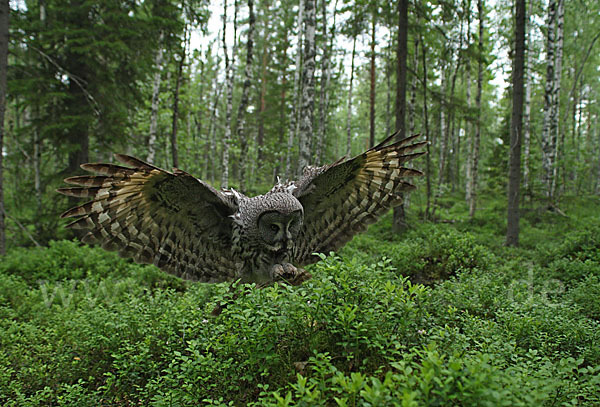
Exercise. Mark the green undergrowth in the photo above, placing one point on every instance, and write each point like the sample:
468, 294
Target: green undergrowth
442, 315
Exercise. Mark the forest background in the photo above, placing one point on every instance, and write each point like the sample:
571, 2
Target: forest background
238, 94
483, 289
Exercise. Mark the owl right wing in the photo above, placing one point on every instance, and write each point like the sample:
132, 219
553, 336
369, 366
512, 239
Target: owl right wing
343, 198
172, 220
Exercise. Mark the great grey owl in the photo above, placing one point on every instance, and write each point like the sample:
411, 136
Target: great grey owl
188, 228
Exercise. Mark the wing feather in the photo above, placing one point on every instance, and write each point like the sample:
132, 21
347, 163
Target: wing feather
342, 199
172, 220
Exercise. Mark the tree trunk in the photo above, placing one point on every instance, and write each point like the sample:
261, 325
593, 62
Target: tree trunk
477, 139
241, 115
212, 128
174, 153
4, 13
516, 127
158, 59
426, 120
469, 135
297, 95
325, 79
413, 88
443, 132
349, 112
399, 218
554, 125
308, 88
548, 141
229, 93
527, 112
388, 91
263, 87
372, 87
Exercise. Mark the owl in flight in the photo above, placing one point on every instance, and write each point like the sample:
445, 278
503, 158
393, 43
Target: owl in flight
187, 228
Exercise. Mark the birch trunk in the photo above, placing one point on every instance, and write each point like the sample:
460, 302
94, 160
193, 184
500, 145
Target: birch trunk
443, 133
178, 79
469, 134
548, 141
554, 126
241, 115
477, 139
349, 112
372, 86
211, 169
308, 88
325, 79
426, 120
292, 131
527, 111
158, 60
229, 92
263, 87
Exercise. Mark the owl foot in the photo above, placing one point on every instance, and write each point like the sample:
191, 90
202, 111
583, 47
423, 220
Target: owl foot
289, 273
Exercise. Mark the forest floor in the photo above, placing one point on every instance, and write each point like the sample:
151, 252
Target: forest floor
489, 326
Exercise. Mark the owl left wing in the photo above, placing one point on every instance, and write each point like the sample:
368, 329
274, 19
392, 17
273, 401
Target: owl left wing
343, 198
172, 220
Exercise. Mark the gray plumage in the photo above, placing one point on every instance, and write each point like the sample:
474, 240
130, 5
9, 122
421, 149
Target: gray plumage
188, 228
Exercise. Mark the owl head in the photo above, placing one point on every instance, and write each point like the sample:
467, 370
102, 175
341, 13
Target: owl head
272, 221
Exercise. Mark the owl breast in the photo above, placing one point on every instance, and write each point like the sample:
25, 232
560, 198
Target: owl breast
266, 233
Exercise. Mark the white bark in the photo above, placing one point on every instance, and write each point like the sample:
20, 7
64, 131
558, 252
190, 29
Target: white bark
229, 92
296, 96
468, 130
308, 87
527, 109
325, 79
549, 128
443, 133
476, 140
241, 116
349, 112
554, 126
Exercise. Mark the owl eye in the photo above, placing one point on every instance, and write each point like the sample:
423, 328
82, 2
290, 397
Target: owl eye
274, 227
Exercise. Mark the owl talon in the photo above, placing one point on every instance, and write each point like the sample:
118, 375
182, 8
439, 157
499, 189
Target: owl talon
289, 273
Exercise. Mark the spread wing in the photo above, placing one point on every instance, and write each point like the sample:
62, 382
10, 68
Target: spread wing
172, 220
343, 198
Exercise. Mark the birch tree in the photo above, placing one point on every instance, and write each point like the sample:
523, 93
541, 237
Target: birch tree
241, 116
372, 81
349, 111
296, 95
527, 112
308, 88
551, 95
328, 37
229, 62
477, 139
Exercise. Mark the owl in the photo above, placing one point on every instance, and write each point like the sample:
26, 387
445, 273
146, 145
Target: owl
186, 227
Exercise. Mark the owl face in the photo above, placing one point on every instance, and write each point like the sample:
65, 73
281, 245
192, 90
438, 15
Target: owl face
279, 230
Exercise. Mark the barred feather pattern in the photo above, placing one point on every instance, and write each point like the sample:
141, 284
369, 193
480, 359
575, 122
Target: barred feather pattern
172, 220
343, 198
